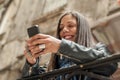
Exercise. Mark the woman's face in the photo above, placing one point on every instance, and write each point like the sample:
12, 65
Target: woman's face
68, 27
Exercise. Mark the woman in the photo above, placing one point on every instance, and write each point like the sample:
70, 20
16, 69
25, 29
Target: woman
74, 41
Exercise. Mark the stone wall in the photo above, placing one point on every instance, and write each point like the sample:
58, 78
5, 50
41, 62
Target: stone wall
18, 15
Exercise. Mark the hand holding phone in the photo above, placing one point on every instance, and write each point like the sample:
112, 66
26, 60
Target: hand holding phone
31, 32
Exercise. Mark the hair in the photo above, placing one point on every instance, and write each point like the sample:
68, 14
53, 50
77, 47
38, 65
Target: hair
83, 30
83, 34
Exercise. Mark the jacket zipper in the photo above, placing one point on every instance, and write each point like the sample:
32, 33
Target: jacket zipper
30, 71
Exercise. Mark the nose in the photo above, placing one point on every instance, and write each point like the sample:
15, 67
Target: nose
65, 29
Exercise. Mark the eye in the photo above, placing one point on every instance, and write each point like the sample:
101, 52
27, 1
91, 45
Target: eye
71, 25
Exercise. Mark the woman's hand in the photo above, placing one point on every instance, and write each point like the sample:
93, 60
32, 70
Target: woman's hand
29, 57
52, 44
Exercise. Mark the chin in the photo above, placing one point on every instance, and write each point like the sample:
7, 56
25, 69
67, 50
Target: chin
70, 39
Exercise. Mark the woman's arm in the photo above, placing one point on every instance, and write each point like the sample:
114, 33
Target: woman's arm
81, 53
85, 55
29, 69
66, 47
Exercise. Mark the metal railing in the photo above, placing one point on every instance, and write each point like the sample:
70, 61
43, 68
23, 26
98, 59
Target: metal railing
69, 73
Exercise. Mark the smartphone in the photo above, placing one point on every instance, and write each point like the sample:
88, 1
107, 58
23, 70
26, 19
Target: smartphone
33, 30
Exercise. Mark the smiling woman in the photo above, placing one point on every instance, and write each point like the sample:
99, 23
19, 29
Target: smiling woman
73, 46
68, 28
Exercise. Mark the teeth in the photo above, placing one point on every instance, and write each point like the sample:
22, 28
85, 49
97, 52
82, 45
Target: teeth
68, 37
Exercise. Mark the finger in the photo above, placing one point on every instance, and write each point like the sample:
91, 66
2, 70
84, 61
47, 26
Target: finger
28, 43
25, 52
37, 55
27, 55
31, 47
38, 36
30, 59
44, 52
40, 53
35, 50
40, 41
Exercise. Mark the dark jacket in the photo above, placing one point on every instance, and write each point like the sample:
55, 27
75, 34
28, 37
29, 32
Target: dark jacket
77, 54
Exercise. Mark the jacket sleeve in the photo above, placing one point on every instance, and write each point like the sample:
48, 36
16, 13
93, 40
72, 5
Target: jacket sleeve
85, 55
31, 70
81, 53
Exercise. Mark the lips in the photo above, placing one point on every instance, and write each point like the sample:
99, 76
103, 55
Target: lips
68, 37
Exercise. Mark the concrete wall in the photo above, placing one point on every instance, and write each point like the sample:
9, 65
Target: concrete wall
21, 14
